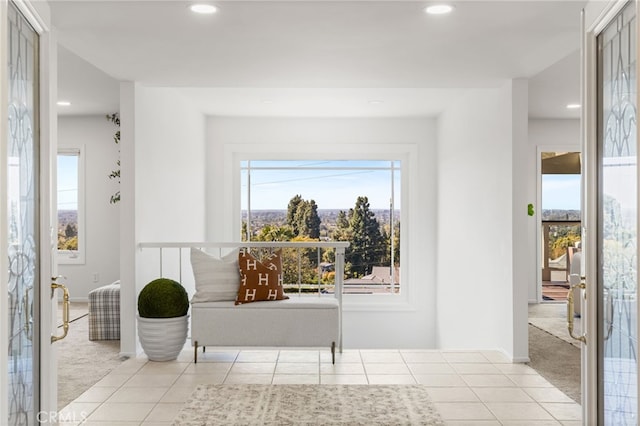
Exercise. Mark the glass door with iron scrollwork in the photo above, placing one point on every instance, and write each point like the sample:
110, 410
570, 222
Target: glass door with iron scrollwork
23, 219
618, 221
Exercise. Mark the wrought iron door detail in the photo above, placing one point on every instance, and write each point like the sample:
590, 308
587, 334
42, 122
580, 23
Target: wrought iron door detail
22, 172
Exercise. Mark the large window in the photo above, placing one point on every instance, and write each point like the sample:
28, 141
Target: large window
70, 206
340, 200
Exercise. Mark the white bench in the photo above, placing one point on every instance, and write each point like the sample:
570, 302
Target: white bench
309, 321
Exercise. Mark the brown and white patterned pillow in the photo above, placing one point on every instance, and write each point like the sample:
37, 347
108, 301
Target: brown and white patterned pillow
260, 280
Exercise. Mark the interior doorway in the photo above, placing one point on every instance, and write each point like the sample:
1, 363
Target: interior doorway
560, 222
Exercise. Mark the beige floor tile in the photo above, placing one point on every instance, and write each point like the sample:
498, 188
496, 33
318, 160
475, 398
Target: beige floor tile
347, 356
109, 423
193, 380
475, 368
518, 411
257, 356
464, 357
171, 367
484, 380
151, 380
342, 368
253, 368
515, 369
299, 356
129, 366
258, 379
153, 423
131, 394
431, 368
440, 380
96, 394
121, 412
490, 394
571, 423
548, 395
77, 411
163, 412
417, 357
391, 379
530, 423
178, 394
459, 394
563, 411
496, 357
530, 380
298, 368
209, 368
381, 357
472, 423
296, 379
463, 411
217, 356
113, 380
343, 379
376, 369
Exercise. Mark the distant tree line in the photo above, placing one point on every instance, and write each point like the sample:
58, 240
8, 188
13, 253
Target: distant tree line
370, 243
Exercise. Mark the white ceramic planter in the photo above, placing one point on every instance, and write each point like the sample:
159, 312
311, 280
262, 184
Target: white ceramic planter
163, 338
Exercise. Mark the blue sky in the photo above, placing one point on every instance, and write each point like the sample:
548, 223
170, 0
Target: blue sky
331, 189
561, 192
67, 182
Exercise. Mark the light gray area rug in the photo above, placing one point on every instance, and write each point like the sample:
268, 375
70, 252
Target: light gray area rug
308, 405
81, 362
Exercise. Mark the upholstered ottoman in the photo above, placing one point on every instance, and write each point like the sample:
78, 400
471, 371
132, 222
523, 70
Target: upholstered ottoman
104, 312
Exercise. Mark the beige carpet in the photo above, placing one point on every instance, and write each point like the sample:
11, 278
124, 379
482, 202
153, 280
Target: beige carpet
552, 352
308, 405
81, 362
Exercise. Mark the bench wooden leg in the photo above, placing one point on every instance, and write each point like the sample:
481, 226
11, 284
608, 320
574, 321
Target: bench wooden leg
333, 352
195, 352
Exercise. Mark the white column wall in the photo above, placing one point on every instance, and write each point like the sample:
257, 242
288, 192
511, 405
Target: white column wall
94, 135
169, 177
407, 324
475, 260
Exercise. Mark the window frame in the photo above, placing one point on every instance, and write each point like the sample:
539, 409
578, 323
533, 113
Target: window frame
71, 257
406, 154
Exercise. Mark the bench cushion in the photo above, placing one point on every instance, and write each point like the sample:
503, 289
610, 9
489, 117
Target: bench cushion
295, 322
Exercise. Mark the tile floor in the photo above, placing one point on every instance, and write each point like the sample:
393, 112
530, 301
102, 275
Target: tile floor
468, 388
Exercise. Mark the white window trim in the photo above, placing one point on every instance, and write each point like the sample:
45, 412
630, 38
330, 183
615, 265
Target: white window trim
407, 154
68, 257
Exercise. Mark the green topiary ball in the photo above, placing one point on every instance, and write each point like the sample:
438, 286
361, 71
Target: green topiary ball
163, 298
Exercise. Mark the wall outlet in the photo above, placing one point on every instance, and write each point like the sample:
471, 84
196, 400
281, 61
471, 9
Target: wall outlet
96, 277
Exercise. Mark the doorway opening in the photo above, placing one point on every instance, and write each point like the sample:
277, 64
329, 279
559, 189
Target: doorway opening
560, 222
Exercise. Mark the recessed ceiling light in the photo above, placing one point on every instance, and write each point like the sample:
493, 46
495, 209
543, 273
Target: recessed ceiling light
63, 103
573, 106
205, 9
267, 101
376, 102
438, 9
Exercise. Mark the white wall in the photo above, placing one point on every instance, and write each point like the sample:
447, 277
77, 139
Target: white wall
404, 323
475, 238
545, 135
165, 197
94, 135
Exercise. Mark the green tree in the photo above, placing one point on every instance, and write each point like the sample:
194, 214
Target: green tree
367, 245
302, 216
70, 230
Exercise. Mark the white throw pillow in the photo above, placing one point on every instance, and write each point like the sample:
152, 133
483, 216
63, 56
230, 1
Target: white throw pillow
217, 280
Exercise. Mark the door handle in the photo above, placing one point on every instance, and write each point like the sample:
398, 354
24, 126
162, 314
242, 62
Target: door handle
570, 313
65, 310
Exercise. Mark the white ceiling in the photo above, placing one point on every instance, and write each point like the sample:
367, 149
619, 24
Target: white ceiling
317, 58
